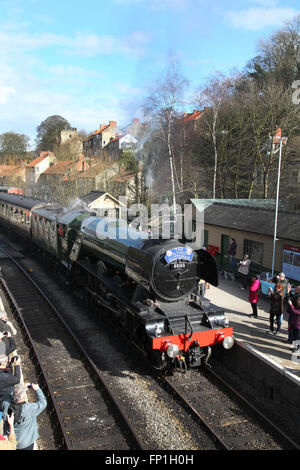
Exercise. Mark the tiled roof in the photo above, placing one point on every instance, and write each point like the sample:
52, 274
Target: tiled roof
255, 219
58, 169
92, 196
38, 159
192, 116
7, 169
95, 170
121, 177
97, 132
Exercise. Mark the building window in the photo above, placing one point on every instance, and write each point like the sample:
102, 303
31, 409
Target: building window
255, 250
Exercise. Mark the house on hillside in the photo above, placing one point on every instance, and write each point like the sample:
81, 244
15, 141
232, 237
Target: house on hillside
100, 138
125, 183
136, 128
98, 176
35, 168
5, 171
12, 175
102, 203
120, 143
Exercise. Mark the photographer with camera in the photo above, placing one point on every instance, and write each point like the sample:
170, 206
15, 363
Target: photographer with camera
26, 427
10, 375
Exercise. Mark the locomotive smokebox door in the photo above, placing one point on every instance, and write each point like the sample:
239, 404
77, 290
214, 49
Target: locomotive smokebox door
207, 267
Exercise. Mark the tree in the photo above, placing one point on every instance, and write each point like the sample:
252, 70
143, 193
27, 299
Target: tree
48, 132
13, 146
214, 95
162, 105
279, 56
131, 165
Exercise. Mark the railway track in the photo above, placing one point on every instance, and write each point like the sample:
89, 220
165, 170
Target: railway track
232, 421
88, 413
228, 420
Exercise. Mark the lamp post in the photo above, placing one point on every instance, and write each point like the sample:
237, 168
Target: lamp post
281, 140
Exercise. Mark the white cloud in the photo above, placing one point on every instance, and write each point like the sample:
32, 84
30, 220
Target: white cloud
81, 44
260, 18
5, 94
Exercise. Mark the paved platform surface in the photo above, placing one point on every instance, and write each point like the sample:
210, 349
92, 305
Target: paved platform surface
253, 331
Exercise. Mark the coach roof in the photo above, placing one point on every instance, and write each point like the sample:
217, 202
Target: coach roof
20, 201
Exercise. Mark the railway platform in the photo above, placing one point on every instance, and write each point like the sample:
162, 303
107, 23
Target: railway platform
252, 332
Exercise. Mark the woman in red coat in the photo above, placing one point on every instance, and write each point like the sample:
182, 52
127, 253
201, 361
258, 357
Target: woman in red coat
254, 294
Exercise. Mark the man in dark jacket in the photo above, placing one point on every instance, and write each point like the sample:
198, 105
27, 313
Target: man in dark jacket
293, 299
232, 253
7, 344
9, 377
6, 325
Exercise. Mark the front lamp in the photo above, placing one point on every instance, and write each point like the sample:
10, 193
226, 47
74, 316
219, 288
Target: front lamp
228, 342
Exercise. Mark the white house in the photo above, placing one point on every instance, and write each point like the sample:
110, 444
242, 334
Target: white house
35, 168
103, 203
121, 142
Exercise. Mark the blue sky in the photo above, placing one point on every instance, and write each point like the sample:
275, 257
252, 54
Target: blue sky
94, 61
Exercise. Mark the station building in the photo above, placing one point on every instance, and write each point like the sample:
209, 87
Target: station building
251, 223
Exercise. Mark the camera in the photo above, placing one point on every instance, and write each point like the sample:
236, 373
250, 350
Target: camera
29, 386
9, 412
14, 358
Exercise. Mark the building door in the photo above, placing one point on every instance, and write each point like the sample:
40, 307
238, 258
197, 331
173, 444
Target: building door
224, 252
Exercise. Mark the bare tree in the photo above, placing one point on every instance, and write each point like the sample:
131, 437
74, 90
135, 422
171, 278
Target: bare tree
162, 106
213, 96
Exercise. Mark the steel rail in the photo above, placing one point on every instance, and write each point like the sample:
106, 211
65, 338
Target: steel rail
197, 414
103, 381
255, 409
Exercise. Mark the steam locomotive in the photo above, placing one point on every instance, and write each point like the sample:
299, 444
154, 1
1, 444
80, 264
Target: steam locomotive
148, 286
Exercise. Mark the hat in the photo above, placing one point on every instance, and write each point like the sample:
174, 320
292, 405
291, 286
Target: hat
281, 274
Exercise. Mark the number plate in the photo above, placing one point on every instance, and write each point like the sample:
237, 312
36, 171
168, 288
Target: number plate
177, 265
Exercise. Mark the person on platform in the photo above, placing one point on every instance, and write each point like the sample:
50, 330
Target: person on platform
26, 427
243, 269
293, 299
276, 307
9, 442
9, 377
7, 343
254, 291
295, 322
232, 253
6, 325
284, 281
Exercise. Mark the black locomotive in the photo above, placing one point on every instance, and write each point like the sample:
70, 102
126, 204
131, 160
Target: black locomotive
148, 286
